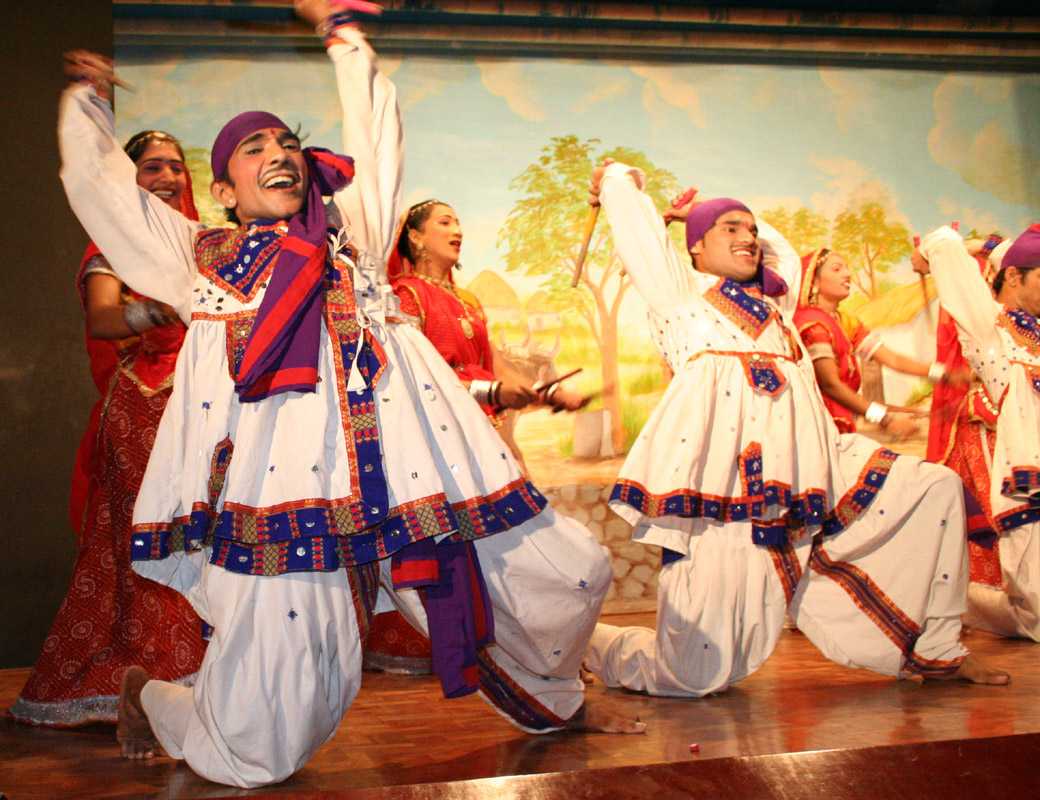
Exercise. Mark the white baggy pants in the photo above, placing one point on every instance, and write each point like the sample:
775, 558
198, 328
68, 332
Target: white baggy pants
885, 594
284, 663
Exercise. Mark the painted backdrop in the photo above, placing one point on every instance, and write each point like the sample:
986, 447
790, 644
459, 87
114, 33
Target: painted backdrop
855, 159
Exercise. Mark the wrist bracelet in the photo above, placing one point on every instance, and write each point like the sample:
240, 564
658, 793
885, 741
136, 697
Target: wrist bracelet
328, 26
137, 317
552, 390
493, 394
936, 371
876, 413
481, 391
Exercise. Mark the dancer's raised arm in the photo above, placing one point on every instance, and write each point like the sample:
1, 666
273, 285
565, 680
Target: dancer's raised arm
372, 133
962, 290
148, 244
661, 274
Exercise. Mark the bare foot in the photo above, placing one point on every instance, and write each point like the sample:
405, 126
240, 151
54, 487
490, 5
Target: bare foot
132, 729
595, 718
975, 671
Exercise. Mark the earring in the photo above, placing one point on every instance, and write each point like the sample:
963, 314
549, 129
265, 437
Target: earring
458, 265
420, 253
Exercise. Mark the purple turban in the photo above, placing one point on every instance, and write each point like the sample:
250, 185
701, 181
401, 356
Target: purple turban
703, 216
245, 124
1025, 252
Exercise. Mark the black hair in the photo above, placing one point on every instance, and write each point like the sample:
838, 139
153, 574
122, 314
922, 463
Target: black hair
998, 282
413, 221
139, 142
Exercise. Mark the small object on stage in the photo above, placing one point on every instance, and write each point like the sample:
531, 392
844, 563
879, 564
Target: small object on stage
695, 748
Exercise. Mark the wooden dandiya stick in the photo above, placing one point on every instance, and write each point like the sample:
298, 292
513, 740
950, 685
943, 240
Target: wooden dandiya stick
541, 387
590, 228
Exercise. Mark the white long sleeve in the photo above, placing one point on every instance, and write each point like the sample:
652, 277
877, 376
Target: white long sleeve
148, 244
373, 137
661, 275
962, 289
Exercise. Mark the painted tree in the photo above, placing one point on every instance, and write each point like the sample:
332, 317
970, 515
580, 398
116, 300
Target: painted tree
871, 244
805, 229
210, 211
542, 237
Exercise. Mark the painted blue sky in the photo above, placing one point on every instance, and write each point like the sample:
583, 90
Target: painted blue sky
932, 146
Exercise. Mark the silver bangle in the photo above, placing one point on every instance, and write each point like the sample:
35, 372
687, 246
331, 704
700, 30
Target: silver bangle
552, 390
138, 317
876, 413
936, 371
481, 391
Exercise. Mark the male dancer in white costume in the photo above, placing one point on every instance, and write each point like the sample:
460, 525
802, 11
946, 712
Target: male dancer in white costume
1002, 345
308, 433
742, 478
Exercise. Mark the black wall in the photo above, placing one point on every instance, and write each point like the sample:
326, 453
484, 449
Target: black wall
45, 387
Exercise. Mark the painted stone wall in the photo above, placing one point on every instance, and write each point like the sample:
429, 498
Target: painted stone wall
636, 566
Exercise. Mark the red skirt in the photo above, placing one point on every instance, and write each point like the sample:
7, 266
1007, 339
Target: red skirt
111, 618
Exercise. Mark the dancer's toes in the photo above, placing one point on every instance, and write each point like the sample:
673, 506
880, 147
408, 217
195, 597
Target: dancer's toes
975, 671
136, 740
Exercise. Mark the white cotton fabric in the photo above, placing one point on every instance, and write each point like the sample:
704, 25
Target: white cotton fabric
721, 608
280, 671
546, 579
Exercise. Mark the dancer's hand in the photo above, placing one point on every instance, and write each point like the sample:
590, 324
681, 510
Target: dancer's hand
516, 393
681, 206
166, 313
919, 262
83, 66
899, 426
596, 181
564, 400
959, 377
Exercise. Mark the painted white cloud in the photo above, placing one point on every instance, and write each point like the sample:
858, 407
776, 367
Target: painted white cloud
662, 83
765, 202
601, 94
850, 94
971, 218
850, 184
506, 79
974, 135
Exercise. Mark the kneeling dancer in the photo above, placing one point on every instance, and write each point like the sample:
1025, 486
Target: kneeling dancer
310, 441
741, 476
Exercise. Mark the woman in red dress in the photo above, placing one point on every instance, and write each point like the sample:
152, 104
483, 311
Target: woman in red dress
111, 618
421, 271
837, 342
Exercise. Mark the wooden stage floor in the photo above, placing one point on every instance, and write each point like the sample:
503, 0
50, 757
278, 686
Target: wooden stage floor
401, 734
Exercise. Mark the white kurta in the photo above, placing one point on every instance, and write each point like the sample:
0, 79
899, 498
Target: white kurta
1008, 363
741, 471
280, 491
